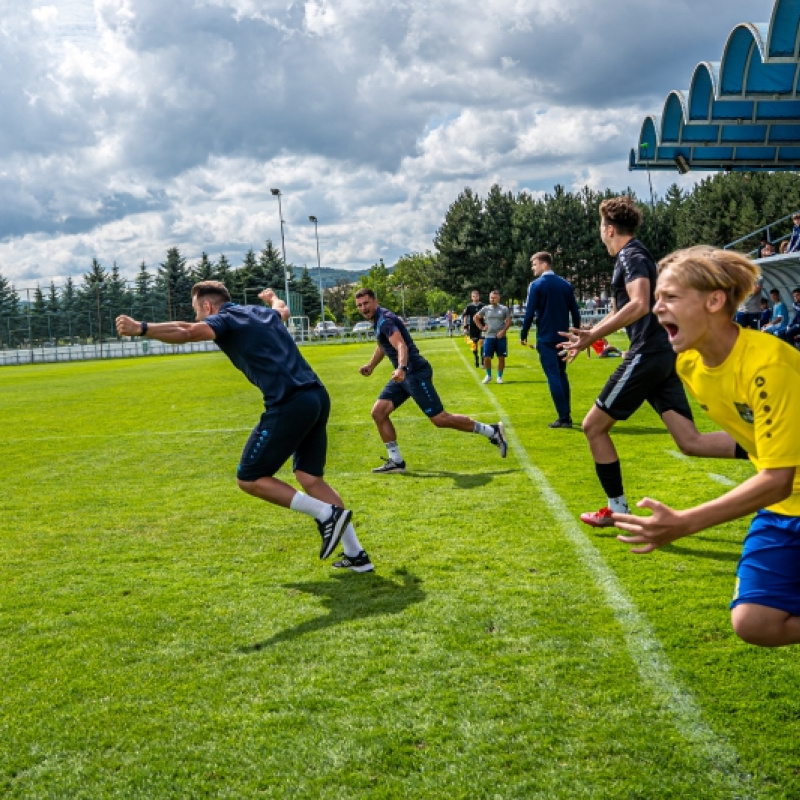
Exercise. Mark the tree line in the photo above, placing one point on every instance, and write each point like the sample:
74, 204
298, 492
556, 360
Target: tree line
482, 243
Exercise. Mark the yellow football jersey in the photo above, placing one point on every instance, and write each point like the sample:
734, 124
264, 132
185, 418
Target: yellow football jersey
755, 397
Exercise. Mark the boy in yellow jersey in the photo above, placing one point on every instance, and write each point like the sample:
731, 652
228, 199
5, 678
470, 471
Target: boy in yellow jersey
749, 385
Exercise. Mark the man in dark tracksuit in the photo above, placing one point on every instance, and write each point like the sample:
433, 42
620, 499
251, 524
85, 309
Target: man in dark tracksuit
551, 301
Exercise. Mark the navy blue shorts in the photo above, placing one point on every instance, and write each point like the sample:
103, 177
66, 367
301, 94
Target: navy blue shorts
495, 347
769, 569
418, 385
296, 428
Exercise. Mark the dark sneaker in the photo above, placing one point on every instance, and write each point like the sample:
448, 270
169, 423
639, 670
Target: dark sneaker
359, 563
332, 529
561, 423
499, 439
599, 519
391, 466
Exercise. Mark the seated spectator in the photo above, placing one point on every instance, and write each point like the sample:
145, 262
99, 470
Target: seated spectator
794, 239
749, 312
768, 250
792, 331
784, 247
766, 313
761, 245
780, 317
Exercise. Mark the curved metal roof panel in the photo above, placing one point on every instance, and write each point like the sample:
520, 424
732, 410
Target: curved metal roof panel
741, 113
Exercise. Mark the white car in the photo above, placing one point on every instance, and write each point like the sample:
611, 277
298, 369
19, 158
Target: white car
363, 329
327, 329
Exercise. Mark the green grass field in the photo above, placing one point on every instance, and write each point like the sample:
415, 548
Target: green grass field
166, 636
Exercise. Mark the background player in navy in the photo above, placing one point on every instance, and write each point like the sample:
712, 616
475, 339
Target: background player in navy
647, 372
412, 376
296, 407
470, 328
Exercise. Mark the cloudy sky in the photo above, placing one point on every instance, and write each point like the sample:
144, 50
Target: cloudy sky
130, 126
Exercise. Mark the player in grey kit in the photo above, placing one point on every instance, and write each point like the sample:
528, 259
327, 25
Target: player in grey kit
296, 407
494, 320
412, 377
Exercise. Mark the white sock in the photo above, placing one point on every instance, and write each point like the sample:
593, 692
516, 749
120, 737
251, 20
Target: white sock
394, 453
352, 547
618, 504
484, 430
311, 506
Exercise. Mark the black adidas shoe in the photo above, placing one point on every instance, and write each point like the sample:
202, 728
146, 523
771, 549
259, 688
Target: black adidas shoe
359, 563
391, 466
332, 529
499, 439
561, 423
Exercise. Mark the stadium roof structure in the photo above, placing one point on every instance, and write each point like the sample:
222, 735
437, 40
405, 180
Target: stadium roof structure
740, 114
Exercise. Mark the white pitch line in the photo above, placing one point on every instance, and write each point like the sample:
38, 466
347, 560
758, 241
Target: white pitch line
721, 479
643, 646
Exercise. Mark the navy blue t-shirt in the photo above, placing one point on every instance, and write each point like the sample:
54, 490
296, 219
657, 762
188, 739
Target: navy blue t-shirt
256, 341
634, 261
385, 324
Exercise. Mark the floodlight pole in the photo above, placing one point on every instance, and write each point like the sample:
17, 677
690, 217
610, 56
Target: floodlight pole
644, 146
319, 268
277, 193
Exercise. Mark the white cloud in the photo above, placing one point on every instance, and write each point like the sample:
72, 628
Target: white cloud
134, 125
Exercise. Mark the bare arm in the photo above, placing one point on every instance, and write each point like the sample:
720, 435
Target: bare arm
272, 300
376, 359
665, 525
399, 374
168, 332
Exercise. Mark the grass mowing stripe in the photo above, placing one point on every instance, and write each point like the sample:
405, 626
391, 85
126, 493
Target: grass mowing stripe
721, 479
644, 648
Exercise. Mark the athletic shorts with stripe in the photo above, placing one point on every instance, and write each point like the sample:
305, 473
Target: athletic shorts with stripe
296, 429
644, 377
418, 385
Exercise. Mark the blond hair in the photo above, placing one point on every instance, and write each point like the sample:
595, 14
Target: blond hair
709, 269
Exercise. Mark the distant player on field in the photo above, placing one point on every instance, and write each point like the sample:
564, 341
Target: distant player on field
412, 377
296, 407
750, 386
470, 328
494, 320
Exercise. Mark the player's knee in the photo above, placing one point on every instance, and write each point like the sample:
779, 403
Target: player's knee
378, 413
248, 487
751, 627
440, 420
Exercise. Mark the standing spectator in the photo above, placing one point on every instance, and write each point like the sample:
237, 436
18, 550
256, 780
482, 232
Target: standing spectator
551, 301
794, 239
793, 329
589, 305
494, 320
449, 317
470, 328
780, 316
749, 312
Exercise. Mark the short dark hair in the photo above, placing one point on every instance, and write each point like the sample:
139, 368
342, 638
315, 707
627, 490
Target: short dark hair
206, 290
622, 213
365, 292
775, 291
543, 256
796, 289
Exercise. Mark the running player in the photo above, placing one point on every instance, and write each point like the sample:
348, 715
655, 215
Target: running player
296, 407
646, 373
412, 377
750, 386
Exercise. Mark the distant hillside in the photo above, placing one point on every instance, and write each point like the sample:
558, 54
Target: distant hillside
331, 275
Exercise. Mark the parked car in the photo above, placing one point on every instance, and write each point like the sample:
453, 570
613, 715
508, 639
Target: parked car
327, 329
363, 329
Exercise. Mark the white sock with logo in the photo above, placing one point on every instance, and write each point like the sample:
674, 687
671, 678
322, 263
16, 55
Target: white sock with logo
394, 452
352, 547
484, 430
619, 505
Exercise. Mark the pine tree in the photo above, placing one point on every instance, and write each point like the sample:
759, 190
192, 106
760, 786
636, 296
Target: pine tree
143, 300
174, 286
204, 270
459, 243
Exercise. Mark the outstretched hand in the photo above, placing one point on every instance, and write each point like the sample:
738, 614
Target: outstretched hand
578, 339
127, 326
267, 295
663, 526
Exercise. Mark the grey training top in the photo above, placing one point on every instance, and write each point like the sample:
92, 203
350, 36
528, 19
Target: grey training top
495, 317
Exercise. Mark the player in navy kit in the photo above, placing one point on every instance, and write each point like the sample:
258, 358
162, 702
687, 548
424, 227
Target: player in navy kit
296, 407
647, 372
412, 377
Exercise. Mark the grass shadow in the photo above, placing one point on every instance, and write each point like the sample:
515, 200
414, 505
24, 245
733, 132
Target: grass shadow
463, 480
689, 552
347, 597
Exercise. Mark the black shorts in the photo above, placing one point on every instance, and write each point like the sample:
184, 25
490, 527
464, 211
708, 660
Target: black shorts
644, 377
418, 385
296, 428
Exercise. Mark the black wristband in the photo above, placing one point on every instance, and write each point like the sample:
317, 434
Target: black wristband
740, 452
144, 329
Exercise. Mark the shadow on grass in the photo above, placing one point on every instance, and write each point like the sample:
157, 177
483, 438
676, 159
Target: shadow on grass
689, 552
348, 596
463, 480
